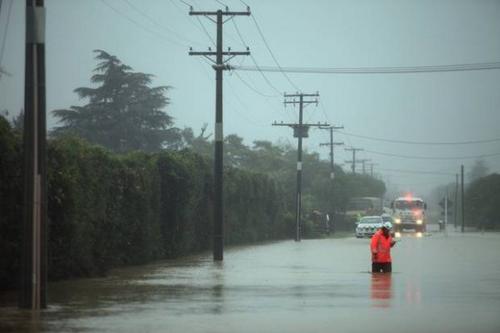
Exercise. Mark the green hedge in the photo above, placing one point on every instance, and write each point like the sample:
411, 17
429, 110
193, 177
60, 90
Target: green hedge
255, 208
103, 209
107, 210
11, 198
481, 202
186, 202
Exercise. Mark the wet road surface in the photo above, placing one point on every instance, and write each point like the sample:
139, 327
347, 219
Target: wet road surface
440, 284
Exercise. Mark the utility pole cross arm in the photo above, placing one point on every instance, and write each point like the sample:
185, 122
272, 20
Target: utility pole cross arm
214, 53
224, 13
354, 150
301, 95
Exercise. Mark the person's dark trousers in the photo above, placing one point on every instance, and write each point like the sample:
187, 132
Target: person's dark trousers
381, 267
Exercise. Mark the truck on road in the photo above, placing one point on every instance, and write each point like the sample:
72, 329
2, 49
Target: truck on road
408, 213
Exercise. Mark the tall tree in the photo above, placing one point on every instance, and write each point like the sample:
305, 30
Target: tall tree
199, 144
479, 170
123, 112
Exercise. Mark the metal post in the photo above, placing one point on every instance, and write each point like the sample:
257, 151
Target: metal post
463, 198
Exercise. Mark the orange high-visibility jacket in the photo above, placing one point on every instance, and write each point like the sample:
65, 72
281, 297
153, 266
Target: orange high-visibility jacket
381, 247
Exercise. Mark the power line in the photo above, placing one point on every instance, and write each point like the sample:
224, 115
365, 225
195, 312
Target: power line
433, 157
251, 87
253, 59
200, 27
237, 97
155, 22
419, 172
377, 70
323, 110
221, 3
421, 142
226, 8
187, 4
280, 69
4, 37
353, 161
153, 32
278, 92
205, 30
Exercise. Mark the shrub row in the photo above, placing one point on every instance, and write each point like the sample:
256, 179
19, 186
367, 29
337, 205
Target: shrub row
482, 200
107, 210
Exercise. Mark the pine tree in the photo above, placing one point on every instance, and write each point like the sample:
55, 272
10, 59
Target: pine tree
123, 112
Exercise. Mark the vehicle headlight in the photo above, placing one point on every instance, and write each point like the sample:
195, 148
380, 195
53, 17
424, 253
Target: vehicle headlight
397, 221
419, 235
397, 234
419, 221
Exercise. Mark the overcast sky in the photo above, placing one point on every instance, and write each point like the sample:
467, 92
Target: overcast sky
456, 106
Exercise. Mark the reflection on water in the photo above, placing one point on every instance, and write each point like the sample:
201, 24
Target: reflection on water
311, 286
21, 320
381, 289
218, 288
412, 293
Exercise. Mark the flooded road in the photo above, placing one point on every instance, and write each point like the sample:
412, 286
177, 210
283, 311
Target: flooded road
439, 284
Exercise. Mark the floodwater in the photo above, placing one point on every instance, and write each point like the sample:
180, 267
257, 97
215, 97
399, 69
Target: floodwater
440, 283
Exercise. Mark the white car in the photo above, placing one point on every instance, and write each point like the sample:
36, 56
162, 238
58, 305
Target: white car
368, 225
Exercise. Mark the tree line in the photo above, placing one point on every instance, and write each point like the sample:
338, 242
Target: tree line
481, 197
126, 187
125, 113
107, 209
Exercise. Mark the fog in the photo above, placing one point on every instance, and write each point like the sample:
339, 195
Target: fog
104, 238
421, 107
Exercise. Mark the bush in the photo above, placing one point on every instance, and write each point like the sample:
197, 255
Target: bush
11, 199
481, 202
102, 209
106, 209
254, 208
186, 202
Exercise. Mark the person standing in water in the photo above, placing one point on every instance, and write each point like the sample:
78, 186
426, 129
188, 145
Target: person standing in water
380, 246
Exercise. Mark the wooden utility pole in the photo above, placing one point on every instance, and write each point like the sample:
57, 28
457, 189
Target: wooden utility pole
300, 131
363, 163
33, 293
219, 66
371, 168
332, 144
456, 202
354, 150
463, 198
446, 209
